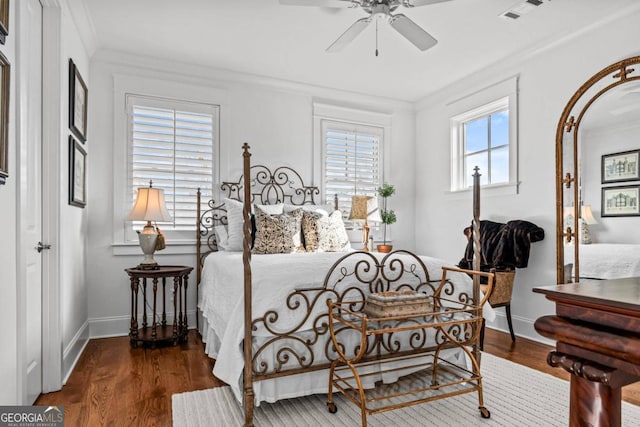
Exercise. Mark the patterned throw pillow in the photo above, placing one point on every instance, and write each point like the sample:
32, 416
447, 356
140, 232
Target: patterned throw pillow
278, 234
325, 233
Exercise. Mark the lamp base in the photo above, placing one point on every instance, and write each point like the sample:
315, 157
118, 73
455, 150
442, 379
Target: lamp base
147, 238
147, 266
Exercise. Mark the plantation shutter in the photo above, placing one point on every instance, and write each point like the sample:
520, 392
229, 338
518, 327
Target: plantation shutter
172, 144
352, 163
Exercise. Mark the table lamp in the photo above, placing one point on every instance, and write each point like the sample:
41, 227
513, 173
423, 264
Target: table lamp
365, 208
149, 206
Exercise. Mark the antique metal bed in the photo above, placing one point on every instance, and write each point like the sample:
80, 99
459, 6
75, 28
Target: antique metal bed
291, 336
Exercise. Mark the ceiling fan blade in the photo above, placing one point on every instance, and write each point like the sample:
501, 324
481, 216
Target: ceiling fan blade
416, 3
412, 32
348, 36
320, 3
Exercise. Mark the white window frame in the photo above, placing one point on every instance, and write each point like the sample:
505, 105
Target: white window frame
353, 119
498, 97
155, 102
124, 84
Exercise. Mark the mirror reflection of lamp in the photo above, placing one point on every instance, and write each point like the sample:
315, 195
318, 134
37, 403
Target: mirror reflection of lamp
365, 208
149, 206
586, 219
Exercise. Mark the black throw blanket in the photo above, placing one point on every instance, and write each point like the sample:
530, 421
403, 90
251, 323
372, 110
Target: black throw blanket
503, 246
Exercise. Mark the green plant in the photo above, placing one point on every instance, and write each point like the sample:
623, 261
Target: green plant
388, 216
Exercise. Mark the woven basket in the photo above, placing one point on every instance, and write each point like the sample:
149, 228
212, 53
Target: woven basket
502, 288
396, 303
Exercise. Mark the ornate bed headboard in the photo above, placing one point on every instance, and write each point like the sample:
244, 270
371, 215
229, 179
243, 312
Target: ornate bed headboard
280, 185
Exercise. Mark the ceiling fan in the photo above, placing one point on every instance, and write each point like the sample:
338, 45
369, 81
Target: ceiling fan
379, 9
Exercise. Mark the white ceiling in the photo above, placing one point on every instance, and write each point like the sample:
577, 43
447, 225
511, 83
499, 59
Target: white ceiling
264, 38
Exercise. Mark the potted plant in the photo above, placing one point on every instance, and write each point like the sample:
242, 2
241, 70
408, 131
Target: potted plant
388, 216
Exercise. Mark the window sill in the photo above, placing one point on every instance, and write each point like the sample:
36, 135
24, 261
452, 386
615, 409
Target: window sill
496, 190
173, 248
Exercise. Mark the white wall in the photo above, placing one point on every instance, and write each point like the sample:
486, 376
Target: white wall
548, 78
8, 229
274, 117
73, 220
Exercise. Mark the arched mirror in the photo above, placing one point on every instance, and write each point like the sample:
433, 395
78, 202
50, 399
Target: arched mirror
597, 177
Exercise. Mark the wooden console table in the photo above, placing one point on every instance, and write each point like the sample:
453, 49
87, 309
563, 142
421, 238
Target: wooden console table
159, 330
597, 329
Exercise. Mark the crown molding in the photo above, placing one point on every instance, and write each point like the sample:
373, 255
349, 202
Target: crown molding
82, 19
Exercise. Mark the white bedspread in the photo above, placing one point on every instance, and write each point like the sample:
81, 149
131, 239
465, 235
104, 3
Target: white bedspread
609, 260
274, 278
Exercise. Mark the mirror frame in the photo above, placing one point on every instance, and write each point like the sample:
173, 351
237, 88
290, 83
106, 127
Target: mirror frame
610, 77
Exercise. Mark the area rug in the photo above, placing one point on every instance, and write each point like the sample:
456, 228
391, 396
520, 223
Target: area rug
515, 395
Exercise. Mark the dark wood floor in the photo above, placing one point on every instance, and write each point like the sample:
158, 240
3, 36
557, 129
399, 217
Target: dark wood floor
116, 385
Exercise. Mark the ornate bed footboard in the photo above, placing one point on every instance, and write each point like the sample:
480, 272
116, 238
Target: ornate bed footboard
294, 337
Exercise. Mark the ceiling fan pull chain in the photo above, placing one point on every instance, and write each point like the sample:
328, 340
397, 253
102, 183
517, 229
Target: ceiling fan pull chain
376, 37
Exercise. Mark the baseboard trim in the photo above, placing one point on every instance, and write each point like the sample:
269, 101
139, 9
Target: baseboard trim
74, 350
522, 327
118, 326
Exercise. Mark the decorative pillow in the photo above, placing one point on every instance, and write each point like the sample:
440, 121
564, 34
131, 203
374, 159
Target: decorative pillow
325, 233
279, 234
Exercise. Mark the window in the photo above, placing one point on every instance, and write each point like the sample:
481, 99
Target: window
485, 141
483, 134
173, 144
351, 161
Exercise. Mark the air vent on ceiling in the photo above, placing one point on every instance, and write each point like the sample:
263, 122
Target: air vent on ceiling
522, 8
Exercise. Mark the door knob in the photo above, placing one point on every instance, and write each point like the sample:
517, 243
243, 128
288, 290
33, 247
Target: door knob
42, 247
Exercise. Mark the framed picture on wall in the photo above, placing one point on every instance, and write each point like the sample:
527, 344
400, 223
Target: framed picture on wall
618, 167
77, 174
5, 73
4, 20
78, 95
620, 201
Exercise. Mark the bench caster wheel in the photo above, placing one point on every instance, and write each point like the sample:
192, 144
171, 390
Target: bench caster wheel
484, 412
332, 407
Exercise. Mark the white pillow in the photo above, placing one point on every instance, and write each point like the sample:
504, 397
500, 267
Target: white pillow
325, 209
234, 227
221, 236
277, 209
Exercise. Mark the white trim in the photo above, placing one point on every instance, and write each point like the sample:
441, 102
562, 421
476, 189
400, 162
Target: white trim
52, 107
351, 116
118, 326
482, 102
81, 16
74, 350
175, 248
204, 75
125, 85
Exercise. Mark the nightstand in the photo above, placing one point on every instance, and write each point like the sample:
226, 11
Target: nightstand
159, 330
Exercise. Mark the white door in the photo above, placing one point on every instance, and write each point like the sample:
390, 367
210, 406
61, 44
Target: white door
29, 94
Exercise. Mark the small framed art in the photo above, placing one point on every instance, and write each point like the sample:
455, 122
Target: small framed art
78, 95
618, 167
4, 20
5, 73
620, 201
77, 174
